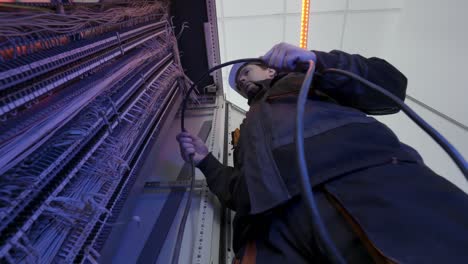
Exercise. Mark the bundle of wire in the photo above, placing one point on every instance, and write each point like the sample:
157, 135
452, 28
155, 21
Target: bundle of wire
32, 29
28, 23
306, 191
84, 198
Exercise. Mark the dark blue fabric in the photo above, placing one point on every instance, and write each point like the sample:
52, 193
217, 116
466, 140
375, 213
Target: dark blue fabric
342, 151
285, 235
349, 92
270, 123
411, 214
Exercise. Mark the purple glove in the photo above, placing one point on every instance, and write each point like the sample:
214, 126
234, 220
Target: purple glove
190, 144
287, 57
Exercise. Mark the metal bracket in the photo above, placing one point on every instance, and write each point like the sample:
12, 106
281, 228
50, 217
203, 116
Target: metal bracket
181, 185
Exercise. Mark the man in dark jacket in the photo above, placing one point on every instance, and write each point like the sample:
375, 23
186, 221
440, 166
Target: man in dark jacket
378, 200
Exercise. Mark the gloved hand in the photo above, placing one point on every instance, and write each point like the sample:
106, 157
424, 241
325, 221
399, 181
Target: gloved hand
287, 57
189, 144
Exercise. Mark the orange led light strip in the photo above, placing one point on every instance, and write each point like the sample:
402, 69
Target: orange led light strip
304, 23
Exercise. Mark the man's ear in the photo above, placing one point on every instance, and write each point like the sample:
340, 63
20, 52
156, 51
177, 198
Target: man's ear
271, 72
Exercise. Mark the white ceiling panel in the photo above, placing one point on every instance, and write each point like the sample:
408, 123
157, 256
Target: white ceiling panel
252, 7
252, 36
327, 5
222, 48
369, 34
292, 29
294, 6
374, 4
325, 31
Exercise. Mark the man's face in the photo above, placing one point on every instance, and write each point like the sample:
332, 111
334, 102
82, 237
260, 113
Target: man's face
252, 73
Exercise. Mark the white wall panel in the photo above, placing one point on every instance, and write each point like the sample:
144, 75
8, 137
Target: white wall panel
375, 4
325, 31
370, 34
252, 7
294, 6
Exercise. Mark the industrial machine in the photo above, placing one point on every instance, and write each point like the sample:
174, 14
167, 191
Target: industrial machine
89, 108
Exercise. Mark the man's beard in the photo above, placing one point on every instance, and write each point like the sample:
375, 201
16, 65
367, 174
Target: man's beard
251, 94
254, 89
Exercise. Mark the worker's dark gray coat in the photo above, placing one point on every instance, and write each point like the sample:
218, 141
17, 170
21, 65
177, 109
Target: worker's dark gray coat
408, 212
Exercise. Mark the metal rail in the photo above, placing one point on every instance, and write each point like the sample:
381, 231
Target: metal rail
83, 230
49, 75
12, 130
97, 239
47, 184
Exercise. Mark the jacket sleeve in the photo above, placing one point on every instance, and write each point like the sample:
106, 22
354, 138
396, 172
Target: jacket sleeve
352, 93
226, 183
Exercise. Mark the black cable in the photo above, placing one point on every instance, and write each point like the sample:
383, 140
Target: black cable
180, 232
451, 150
325, 243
